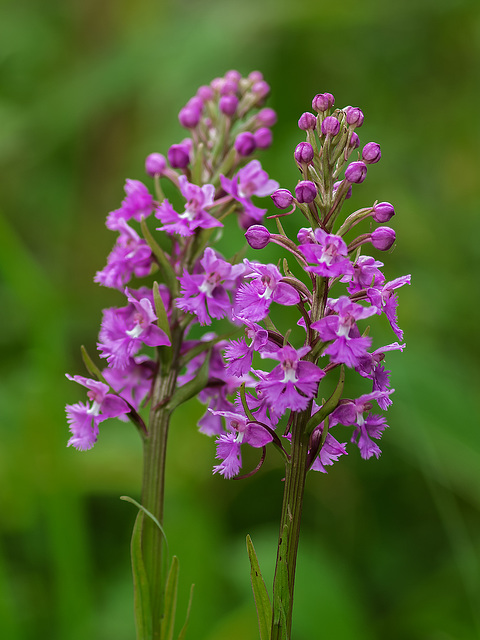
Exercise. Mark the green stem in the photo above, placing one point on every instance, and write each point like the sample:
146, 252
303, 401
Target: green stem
283, 584
153, 487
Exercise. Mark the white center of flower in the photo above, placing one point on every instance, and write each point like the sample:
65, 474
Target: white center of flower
94, 409
346, 323
289, 371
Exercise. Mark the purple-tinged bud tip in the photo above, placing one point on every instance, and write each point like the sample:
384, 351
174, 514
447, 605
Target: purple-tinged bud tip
303, 153
282, 198
245, 143
178, 156
307, 121
189, 117
228, 104
255, 76
195, 102
205, 93
305, 191
356, 172
155, 164
355, 116
263, 138
234, 75
383, 212
383, 238
257, 236
330, 126
266, 117
229, 86
371, 153
261, 89
322, 102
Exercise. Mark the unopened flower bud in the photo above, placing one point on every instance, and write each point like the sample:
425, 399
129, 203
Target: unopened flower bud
257, 236
306, 191
263, 138
322, 102
155, 164
307, 121
261, 89
383, 238
228, 104
178, 156
229, 86
195, 103
255, 76
234, 75
266, 117
303, 153
371, 153
356, 172
305, 236
205, 93
282, 198
245, 143
383, 211
355, 116
330, 126
189, 117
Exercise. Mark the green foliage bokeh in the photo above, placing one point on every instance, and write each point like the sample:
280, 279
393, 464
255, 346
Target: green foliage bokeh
390, 548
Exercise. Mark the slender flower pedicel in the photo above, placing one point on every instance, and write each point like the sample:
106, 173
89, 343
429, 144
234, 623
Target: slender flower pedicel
262, 388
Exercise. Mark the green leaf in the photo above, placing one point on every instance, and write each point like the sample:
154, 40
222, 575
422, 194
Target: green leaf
181, 635
141, 594
92, 368
148, 514
165, 266
192, 388
329, 406
260, 593
171, 588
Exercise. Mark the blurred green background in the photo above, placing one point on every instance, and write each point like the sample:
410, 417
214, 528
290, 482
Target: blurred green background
390, 548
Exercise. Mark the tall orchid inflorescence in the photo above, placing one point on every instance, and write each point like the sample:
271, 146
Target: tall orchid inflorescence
333, 286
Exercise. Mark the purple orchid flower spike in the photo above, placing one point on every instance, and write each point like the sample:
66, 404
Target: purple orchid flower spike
347, 346
205, 295
124, 331
130, 256
84, 419
255, 297
293, 382
386, 300
138, 203
351, 413
195, 216
329, 254
228, 445
329, 453
239, 354
250, 181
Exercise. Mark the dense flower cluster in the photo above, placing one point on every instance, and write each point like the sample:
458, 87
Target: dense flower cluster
336, 289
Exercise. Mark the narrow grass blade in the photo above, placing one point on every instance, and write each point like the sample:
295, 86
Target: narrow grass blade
181, 635
262, 601
141, 597
168, 621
